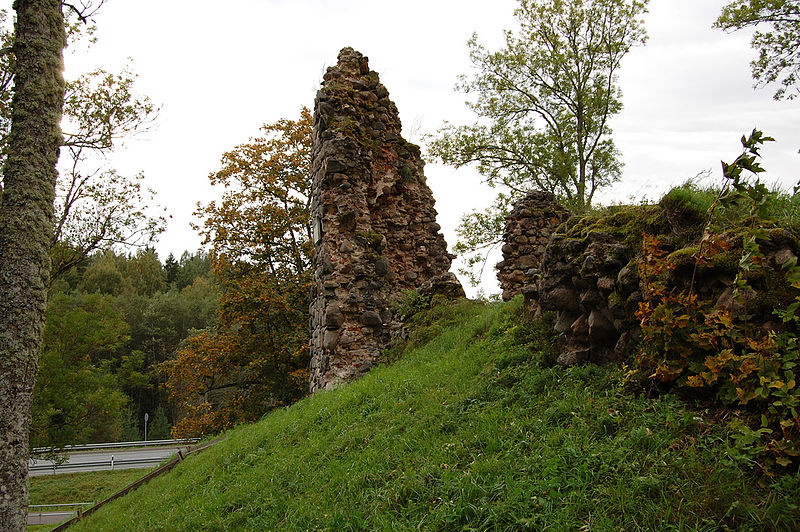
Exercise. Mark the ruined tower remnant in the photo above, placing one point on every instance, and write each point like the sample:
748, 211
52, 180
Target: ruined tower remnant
375, 230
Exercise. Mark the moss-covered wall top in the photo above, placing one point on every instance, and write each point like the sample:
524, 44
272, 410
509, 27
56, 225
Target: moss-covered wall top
588, 271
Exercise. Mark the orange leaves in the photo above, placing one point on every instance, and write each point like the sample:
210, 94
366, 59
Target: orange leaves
711, 244
667, 373
688, 341
257, 356
264, 216
695, 381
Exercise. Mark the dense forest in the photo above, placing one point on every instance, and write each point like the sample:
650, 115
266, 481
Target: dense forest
109, 325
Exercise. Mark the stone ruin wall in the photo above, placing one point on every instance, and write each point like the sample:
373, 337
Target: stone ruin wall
527, 232
588, 275
587, 282
375, 230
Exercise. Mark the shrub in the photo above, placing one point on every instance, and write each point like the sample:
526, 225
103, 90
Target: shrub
694, 344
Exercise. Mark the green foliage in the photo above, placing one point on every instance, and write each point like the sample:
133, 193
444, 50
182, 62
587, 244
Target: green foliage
129, 430
77, 397
144, 272
103, 276
478, 233
171, 268
102, 346
696, 344
411, 303
158, 427
546, 99
191, 267
467, 432
778, 48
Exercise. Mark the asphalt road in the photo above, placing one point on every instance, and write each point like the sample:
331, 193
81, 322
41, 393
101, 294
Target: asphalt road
101, 460
48, 518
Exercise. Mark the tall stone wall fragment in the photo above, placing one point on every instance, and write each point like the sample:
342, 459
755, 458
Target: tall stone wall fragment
374, 222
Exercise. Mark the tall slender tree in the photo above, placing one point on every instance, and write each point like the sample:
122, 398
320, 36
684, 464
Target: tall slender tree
26, 225
256, 356
96, 207
543, 103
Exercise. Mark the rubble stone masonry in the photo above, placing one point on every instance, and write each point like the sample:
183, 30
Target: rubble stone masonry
528, 228
375, 230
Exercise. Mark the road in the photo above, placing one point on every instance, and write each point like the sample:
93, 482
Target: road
48, 518
101, 460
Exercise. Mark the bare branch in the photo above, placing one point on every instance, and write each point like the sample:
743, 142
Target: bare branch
85, 11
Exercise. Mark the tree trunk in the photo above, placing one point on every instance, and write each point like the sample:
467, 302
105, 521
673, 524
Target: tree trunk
26, 224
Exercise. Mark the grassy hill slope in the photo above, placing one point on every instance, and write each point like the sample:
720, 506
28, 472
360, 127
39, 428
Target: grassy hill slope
468, 432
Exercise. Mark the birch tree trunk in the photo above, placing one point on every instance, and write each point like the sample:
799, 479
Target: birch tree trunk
26, 224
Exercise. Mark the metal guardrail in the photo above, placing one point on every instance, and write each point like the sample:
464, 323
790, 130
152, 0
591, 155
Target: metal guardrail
115, 445
60, 504
112, 462
155, 473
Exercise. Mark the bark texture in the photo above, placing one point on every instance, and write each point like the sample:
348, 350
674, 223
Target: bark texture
26, 222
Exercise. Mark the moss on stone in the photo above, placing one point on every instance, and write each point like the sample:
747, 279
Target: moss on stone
371, 239
683, 258
625, 222
406, 173
614, 299
772, 290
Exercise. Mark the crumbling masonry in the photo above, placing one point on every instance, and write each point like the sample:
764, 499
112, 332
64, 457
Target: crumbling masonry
375, 230
528, 228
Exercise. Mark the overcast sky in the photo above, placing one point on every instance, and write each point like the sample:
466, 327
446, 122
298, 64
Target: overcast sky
221, 69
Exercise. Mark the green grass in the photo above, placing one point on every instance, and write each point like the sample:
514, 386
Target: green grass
691, 201
80, 487
468, 431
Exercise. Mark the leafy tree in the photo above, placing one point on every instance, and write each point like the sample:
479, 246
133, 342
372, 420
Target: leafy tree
191, 267
26, 224
778, 49
77, 397
256, 356
130, 427
98, 211
171, 266
96, 207
155, 322
545, 99
145, 273
479, 233
104, 276
158, 426
543, 103
169, 317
